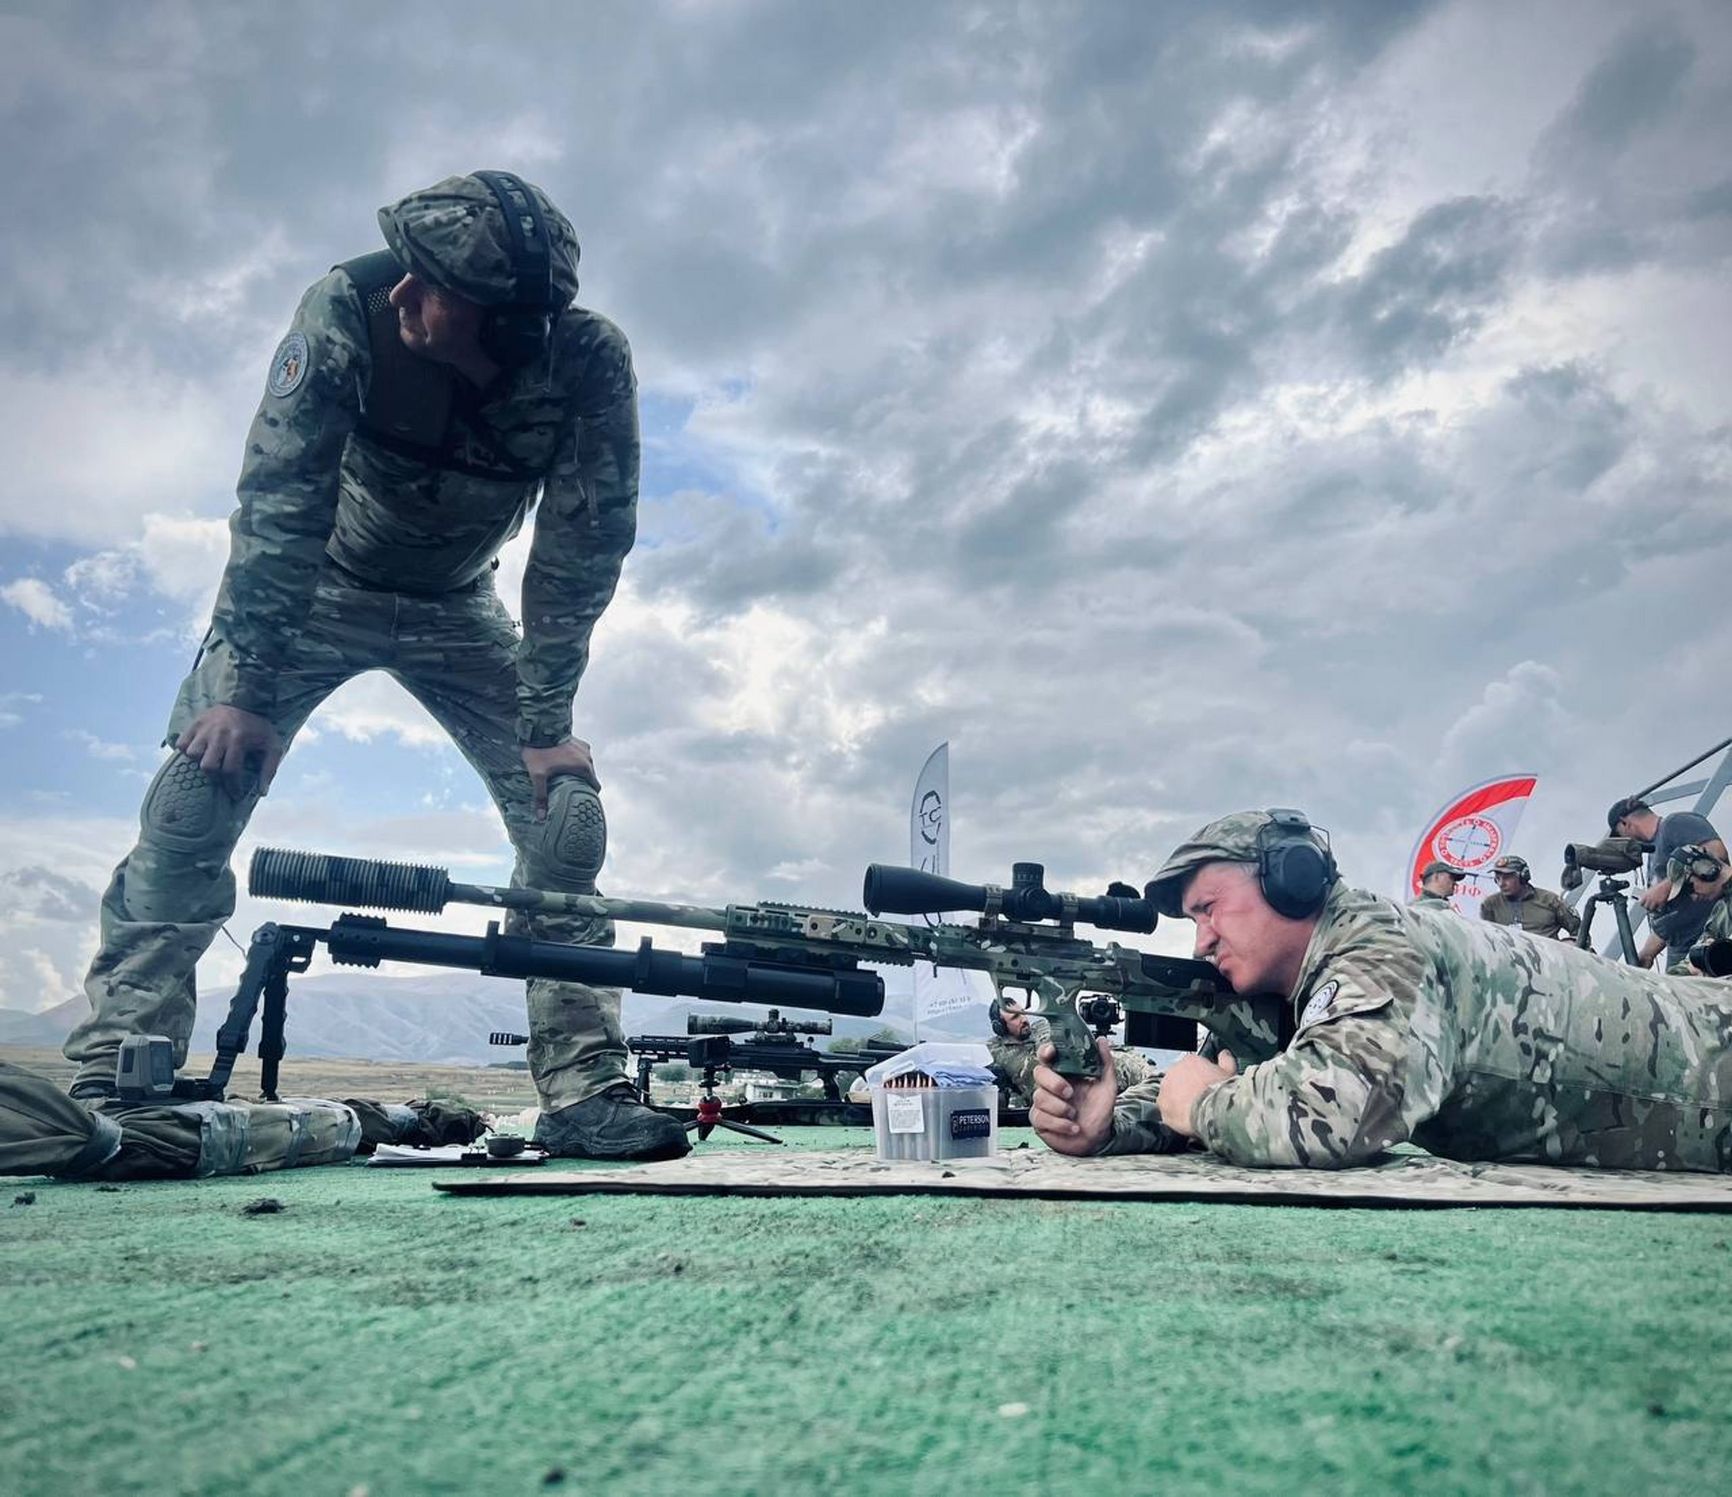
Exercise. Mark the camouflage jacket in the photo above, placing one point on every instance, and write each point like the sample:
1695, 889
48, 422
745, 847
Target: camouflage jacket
1539, 912
1718, 926
1429, 902
1476, 1043
312, 487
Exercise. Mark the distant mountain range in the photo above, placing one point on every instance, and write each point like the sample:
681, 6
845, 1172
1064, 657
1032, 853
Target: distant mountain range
445, 1018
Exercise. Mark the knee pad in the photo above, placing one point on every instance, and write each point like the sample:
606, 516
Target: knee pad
185, 810
574, 836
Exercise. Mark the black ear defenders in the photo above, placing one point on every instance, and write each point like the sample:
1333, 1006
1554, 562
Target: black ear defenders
1294, 864
517, 332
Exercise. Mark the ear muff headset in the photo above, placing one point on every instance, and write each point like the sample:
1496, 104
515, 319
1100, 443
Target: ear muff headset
1294, 864
1700, 863
517, 332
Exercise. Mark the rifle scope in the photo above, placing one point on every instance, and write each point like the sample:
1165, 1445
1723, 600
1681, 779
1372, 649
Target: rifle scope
912, 891
725, 1024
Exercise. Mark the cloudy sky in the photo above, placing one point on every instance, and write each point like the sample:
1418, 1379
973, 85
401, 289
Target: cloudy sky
1176, 408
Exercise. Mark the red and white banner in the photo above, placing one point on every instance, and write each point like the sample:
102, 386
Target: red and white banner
1476, 827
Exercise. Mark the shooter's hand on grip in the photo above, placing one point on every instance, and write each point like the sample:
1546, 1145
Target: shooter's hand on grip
1074, 1116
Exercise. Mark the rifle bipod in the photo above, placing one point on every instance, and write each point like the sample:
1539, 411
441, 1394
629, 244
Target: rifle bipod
710, 1114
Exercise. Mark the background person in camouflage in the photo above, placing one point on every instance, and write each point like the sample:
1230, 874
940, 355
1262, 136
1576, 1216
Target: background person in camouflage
1517, 902
1436, 887
1461, 1036
354, 549
1017, 1037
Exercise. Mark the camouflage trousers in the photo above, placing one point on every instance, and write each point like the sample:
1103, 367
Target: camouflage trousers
171, 894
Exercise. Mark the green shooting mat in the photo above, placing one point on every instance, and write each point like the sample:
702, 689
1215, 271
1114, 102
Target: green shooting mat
1405, 1180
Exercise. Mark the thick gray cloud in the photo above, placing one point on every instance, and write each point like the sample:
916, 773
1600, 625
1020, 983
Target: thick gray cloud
1176, 407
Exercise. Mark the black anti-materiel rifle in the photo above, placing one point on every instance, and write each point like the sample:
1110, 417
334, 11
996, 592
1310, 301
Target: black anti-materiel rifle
719, 974
809, 958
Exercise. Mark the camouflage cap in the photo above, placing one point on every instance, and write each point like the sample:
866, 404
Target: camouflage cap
1437, 865
454, 234
1231, 839
1510, 863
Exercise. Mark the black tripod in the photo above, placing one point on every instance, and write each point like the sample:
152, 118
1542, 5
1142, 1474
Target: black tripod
710, 1114
1611, 891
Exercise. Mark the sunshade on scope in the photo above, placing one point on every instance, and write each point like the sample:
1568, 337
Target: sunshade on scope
912, 891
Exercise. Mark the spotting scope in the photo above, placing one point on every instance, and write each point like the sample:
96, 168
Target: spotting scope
1609, 855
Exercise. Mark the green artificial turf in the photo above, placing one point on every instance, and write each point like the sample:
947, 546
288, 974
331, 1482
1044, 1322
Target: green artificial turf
377, 1335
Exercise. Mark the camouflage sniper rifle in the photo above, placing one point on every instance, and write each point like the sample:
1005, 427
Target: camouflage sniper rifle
788, 955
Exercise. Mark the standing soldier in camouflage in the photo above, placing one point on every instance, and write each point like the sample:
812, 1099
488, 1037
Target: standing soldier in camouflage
1463, 1037
1436, 887
425, 398
1017, 1036
1517, 902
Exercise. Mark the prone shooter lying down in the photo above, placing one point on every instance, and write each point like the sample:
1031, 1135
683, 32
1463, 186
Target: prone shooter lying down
1474, 1041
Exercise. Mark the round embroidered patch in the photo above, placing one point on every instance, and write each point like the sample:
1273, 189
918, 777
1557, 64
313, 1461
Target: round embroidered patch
288, 365
1320, 1001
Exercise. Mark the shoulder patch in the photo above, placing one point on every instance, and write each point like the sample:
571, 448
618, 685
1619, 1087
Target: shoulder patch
1319, 1004
288, 365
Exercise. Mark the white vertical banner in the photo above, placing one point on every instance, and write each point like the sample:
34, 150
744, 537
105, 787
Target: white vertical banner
937, 990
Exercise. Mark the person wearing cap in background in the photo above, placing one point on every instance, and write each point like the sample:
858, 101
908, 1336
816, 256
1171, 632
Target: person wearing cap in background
1018, 1034
1463, 1037
426, 398
1517, 902
1675, 918
1437, 881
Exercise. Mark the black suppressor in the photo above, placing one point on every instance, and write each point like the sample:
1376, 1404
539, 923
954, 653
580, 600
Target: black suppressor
911, 891
359, 883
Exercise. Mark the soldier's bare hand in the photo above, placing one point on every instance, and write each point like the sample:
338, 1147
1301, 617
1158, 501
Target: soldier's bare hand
1186, 1080
1074, 1116
545, 764
1654, 897
230, 744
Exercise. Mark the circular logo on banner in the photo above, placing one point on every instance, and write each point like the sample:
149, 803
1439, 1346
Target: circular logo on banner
1469, 842
931, 817
288, 365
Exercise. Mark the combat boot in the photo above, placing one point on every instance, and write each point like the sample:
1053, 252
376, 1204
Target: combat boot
613, 1124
